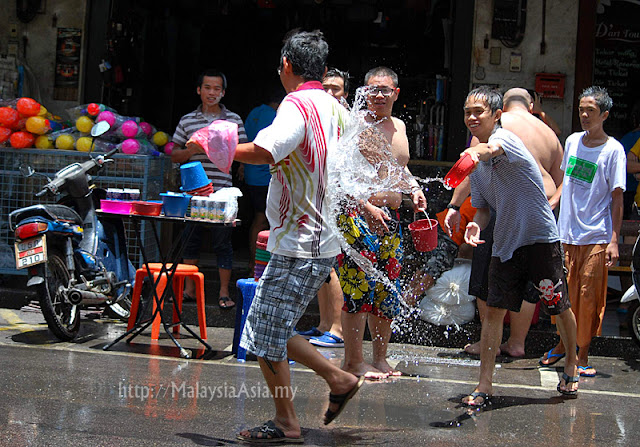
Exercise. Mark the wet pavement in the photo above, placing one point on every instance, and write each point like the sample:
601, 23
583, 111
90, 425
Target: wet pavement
143, 394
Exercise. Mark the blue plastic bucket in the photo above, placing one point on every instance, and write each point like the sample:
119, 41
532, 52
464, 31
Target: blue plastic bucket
193, 176
175, 205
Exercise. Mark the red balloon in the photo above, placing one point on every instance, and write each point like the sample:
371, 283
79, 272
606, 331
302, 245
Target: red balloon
93, 109
20, 140
9, 117
5, 132
28, 106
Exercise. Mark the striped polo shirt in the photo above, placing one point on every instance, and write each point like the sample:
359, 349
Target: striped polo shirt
511, 184
196, 120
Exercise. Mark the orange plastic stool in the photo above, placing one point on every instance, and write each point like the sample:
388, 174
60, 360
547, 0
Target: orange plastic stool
182, 271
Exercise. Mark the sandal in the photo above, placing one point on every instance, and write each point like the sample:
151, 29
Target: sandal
225, 302
549, 356
582, 370
342, 400
567, 380
268, 433
486, 400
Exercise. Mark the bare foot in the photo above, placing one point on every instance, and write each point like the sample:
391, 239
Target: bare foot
474, 349
366, 370
511, 351
386, 368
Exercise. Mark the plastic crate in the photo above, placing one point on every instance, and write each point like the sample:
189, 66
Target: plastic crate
145, 173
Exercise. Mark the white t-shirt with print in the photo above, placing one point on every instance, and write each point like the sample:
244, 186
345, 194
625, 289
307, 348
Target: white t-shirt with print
590, 176
305, 130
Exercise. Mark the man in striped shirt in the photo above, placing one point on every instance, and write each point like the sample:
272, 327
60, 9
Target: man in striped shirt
211, 88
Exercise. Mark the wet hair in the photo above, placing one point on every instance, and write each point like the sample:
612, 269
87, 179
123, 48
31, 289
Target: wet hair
335, 73
307, 52
600, 95
382, 71
490, 95
212, 73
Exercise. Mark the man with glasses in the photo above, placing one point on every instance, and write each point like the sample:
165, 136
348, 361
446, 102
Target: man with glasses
375, 228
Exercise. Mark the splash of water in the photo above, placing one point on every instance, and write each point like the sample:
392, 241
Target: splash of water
362, 166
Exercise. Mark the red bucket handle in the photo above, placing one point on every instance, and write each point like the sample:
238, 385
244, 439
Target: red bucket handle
426, 215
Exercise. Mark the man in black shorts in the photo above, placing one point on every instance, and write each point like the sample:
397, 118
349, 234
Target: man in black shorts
526, 243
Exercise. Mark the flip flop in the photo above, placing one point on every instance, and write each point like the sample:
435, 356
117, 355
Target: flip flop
486, 400
225, 302
582, 370
567, 380
268, 433
550, 355
342, 400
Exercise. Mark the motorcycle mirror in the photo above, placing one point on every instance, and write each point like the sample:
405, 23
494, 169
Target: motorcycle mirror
100, 129
26, 170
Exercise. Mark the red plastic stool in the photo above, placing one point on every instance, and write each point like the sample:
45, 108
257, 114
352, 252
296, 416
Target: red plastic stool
182, 271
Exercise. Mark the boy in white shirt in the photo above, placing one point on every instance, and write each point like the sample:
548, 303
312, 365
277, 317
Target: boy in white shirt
590, 217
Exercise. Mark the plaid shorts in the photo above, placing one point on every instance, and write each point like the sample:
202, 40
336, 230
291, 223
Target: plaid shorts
282, 296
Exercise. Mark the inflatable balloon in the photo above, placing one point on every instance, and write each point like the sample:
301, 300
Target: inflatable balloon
65, 141
5, 133
28, 107
168, 148
160, 138
43, 111
44, 142
107, 116
130, 146
94, 109
9, 117
37, 125
21, 139
84, 124
147, 128
129, 128
84, 144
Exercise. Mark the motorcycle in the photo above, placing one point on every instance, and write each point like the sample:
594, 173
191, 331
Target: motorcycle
74, 259
631, 295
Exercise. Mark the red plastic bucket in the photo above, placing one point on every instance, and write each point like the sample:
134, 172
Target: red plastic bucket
425, 234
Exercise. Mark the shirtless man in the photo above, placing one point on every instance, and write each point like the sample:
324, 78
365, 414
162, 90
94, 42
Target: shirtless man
376, 228
546, 149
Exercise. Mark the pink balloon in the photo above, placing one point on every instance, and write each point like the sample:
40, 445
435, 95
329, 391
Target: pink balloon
129, 128
146, 128
107, 116
130, 146
168, 148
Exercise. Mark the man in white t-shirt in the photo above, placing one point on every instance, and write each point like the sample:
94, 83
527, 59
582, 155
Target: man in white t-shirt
591, 209
302, 246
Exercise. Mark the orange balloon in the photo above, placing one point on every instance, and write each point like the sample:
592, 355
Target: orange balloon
28, 106
21, 139
9, 117
37, 125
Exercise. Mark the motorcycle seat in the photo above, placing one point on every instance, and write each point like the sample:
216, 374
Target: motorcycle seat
52, 212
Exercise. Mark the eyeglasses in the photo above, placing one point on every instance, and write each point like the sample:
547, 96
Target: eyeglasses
374, 91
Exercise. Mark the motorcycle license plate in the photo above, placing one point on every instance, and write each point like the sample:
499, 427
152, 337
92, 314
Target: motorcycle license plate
31, 252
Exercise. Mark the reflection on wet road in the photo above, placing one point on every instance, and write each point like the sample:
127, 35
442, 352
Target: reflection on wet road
143, 394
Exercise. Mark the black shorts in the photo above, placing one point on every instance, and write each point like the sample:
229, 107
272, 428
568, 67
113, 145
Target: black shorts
541, 264
258, 197
478, 279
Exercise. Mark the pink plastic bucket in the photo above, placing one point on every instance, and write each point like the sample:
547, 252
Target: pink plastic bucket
425, 234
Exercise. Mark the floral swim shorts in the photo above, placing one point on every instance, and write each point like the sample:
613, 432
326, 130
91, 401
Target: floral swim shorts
362, 292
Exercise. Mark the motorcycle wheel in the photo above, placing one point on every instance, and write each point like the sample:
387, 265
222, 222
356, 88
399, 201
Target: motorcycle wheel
62, 317
633, 321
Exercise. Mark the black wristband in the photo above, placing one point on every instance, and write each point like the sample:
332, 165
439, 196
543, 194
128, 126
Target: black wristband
453, 207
